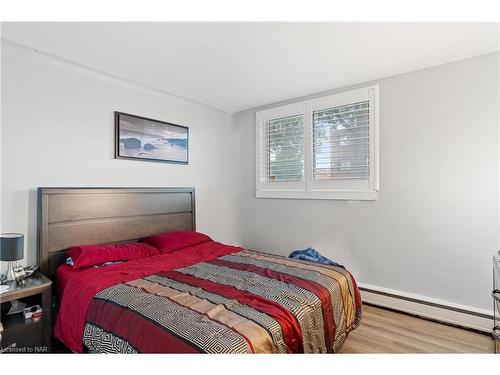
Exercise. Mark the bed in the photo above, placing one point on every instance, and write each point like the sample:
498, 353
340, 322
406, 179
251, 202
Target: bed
206, 297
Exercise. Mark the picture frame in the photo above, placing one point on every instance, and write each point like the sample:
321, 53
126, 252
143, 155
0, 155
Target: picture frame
142, 138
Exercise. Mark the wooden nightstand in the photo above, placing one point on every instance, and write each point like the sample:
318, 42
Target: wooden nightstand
27, 335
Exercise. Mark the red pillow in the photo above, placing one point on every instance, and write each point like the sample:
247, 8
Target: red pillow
171, 241
92, 255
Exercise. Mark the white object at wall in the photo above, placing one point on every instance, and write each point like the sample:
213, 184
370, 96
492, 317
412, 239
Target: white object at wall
307, 186
439, 310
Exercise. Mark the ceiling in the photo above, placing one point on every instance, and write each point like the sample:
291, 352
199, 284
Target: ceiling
236, 66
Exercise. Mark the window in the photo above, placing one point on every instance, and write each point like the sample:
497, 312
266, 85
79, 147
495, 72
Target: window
324, 148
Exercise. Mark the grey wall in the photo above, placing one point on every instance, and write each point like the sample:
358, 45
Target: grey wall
58, 130
435, 225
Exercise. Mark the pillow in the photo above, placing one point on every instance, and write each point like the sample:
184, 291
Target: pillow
172, 241
91, 255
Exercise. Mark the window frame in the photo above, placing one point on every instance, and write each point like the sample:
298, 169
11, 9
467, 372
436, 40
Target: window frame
309, 189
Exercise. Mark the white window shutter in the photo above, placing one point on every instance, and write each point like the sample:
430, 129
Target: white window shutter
282, 152
341, 142
322, 148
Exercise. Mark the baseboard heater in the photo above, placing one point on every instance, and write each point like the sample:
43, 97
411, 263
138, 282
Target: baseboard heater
477, 320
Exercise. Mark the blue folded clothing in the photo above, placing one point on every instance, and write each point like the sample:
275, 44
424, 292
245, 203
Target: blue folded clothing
312, 255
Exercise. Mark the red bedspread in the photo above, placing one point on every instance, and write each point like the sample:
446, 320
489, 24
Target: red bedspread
77, 288
209, 298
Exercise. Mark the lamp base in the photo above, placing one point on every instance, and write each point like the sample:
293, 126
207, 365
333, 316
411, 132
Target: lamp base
10, 271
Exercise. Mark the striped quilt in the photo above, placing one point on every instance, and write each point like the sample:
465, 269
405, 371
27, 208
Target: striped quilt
243, 302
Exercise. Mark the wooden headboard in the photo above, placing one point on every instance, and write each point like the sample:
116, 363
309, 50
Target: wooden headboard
79, 216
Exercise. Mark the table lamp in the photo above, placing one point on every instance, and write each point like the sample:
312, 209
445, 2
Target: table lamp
11, 250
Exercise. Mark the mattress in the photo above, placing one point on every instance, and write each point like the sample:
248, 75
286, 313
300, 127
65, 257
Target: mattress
208, 298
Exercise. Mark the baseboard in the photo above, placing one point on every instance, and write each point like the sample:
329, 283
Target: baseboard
443, 311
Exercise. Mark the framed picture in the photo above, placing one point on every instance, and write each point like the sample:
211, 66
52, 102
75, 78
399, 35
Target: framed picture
147, 139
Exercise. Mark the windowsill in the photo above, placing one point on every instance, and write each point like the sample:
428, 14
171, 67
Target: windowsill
318, 194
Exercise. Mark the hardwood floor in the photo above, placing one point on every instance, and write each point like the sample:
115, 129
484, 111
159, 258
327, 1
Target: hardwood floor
385, 331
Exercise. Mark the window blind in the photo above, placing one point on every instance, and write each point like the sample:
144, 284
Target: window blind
320, 148
283, 150
341, 142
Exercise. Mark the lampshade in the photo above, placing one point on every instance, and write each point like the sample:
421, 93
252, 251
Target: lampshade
11, 247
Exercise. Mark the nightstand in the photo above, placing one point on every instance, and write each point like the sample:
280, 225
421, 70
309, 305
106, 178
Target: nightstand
29, 336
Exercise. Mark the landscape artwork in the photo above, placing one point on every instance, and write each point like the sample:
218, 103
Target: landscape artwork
153, 140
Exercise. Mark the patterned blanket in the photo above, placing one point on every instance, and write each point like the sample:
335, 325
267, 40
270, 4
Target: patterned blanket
243, 302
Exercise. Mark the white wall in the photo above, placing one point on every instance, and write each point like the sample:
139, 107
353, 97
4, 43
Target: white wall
58, 130
434, 228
